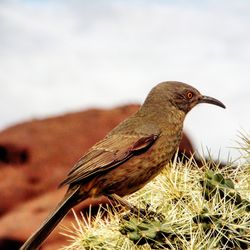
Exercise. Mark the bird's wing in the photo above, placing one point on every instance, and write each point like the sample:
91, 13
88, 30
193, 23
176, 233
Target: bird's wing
108, 153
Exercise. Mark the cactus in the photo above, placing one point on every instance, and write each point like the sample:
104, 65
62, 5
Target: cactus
215, 184
157, 234
228, 234
202, 208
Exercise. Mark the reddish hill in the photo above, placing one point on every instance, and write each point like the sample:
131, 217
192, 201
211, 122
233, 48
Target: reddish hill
35, 156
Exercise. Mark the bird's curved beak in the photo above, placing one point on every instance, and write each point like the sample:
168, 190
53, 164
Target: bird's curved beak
211, 100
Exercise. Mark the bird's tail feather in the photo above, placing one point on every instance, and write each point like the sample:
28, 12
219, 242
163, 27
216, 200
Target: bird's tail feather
37, 238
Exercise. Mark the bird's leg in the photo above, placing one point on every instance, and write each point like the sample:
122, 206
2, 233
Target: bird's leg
116, 198
134, 210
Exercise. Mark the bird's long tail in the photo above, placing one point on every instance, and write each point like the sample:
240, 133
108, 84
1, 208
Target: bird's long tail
37, 238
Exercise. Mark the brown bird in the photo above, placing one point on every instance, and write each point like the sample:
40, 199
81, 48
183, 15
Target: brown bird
131, 155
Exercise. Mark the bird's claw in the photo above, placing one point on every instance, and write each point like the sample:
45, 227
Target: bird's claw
146, 213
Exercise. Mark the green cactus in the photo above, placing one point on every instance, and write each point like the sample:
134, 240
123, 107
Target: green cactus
215, 184
196, 208
228, 233
225, 229
157, 234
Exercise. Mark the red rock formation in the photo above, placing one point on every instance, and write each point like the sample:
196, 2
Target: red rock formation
35, 156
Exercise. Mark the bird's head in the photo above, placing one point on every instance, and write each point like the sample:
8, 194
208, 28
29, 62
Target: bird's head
180, 95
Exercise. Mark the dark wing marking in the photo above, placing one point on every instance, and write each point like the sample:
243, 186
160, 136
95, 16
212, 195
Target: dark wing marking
106, 154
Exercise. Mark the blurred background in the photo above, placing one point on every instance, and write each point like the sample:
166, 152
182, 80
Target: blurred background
64, 56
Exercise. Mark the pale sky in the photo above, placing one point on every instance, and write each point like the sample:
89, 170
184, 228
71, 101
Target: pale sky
65, 56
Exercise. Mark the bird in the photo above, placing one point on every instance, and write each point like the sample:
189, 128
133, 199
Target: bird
130, 155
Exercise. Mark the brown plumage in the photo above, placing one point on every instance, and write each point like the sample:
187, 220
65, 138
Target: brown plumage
131, 155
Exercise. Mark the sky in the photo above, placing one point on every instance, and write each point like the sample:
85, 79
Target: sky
63, 56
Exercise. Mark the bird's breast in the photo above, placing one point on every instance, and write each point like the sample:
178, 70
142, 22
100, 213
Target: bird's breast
140, 169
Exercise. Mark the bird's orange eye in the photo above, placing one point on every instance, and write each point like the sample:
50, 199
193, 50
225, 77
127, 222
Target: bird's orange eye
189, 95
